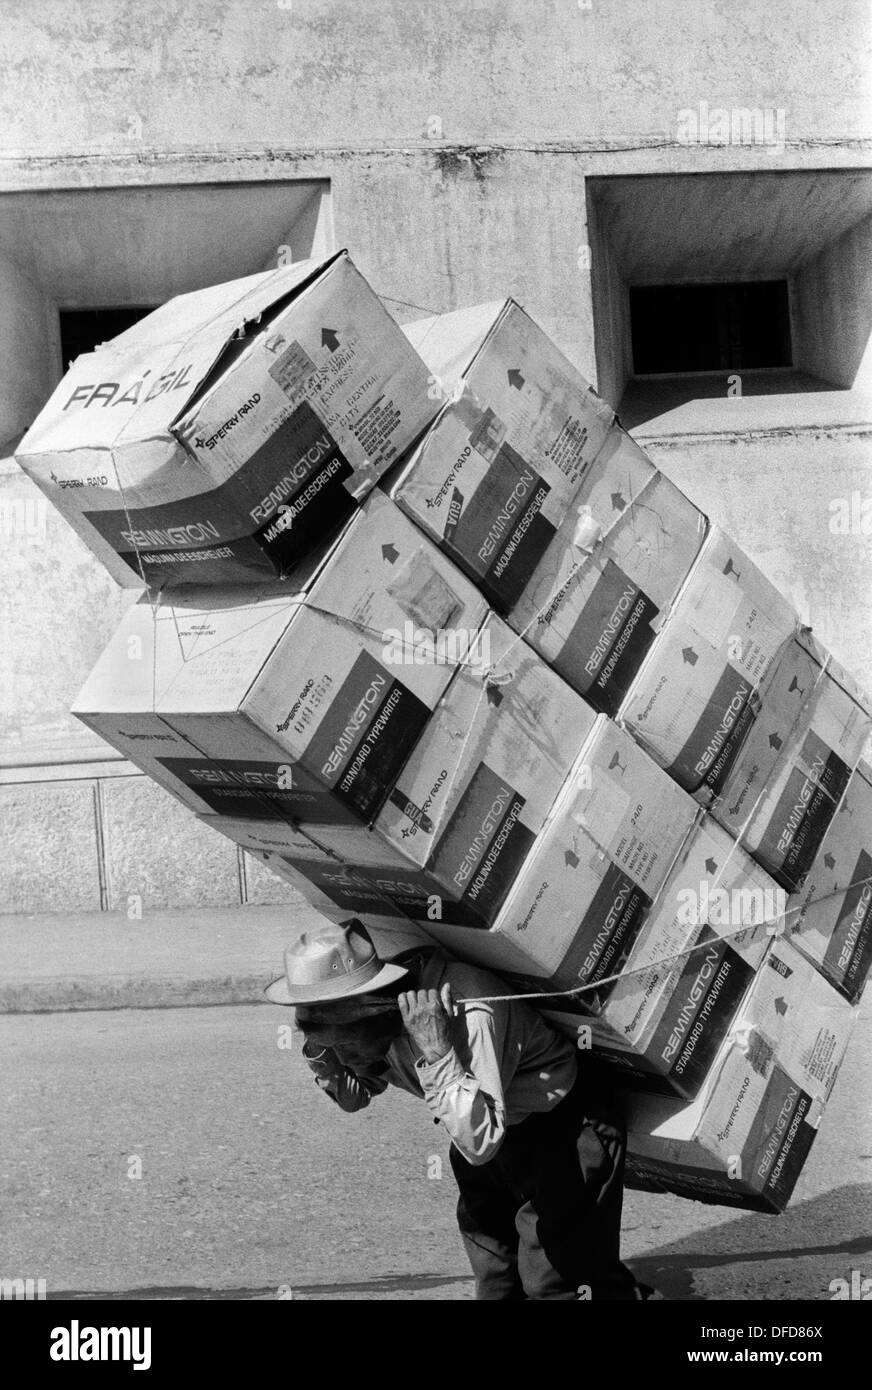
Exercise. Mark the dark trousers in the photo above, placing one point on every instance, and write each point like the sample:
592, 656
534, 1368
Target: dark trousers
542, 1219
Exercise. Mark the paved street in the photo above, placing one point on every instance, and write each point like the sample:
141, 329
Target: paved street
252, 1182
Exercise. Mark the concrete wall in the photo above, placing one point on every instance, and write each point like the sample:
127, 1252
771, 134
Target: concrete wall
458, 142
832, 306
28, 342
58, 607
118, 843
611, 307
341, 73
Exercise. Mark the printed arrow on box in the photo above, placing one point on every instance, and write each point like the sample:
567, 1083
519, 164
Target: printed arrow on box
618, 502
389, 553
329, 339
515, 378
690, 656
571, 858
774, 742
711, 866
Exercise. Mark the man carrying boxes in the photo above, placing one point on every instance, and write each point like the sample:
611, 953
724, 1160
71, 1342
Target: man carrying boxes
520, 703
537, 1147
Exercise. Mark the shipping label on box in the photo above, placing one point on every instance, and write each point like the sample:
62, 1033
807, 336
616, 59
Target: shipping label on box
785, 827
599, 594
594, 870
749, 1130
697, 696
220, 438
830, 920
491, 480
486, 771
294, 696
693, 960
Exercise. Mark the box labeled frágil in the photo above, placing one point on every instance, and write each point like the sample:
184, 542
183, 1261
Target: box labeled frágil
830, 920
698, 693
596, 866
222, 436
290, 697
789, 819
693, 960
519, 428
484, 774
744, 1139
610, 574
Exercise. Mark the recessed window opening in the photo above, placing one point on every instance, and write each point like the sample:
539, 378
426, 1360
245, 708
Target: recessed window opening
707, 328
82, 330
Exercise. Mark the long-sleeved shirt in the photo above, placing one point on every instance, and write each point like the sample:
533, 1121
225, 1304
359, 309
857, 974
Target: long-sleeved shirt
506, 1063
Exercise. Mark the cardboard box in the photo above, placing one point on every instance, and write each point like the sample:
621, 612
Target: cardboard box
311, 858
457, 827
744, 1139
602, 856
784, 824
782, 700
222, 436
485, 773
830, 920
698, 693
491, 481
352, 867
290, 701
323, 844
391, 935
686, 975
610, 574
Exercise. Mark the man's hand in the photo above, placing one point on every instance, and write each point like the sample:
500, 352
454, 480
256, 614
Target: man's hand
427, 1020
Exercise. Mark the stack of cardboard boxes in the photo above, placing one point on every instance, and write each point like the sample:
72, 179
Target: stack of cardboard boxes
426, 631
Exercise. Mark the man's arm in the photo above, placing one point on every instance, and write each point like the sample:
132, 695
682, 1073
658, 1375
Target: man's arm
464, 1088
349, 1089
